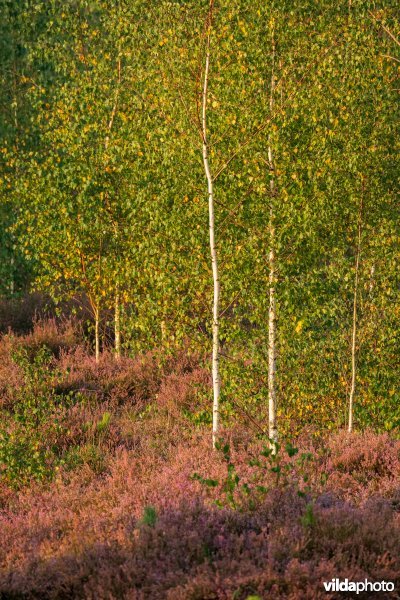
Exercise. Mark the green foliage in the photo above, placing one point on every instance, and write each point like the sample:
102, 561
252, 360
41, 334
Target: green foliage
102, 191
149, 516
104, 422
87, 454
308, 519
272, 468
29, 435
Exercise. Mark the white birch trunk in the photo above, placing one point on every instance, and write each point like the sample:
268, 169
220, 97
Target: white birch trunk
272, 425
354, 327
117, 307
213, 249
117, 325
97, 334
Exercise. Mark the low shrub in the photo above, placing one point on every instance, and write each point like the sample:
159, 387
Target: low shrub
192, 551
98, 497
30, 431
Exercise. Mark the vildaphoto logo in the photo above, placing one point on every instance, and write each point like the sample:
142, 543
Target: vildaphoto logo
344, 585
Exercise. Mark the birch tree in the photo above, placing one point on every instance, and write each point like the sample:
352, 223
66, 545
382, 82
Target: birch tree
213, 246
279, 110
81, 166
272, 425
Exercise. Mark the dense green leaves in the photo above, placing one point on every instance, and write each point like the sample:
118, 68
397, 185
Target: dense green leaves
103, 185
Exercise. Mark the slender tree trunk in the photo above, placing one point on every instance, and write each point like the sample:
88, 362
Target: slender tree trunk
97, 333
16, 126
12, 279
354, 327
213, 248
117, 307
272, 425
117, 325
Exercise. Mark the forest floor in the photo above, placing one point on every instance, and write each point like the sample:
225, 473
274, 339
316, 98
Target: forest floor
110, 488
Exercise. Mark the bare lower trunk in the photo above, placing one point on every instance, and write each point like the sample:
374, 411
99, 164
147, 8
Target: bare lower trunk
97, 334
354, 327
117, 308
213, 249
353, 361
117, 326
215, 327
272, 425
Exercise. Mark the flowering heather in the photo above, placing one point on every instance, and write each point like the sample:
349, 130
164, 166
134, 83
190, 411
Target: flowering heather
124, 515
89, 539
